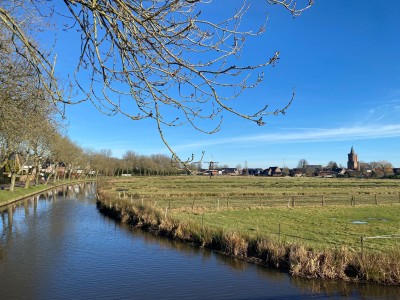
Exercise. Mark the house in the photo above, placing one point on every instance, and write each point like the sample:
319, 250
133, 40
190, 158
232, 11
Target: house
273, 171
230, 171
326, 173
254, 172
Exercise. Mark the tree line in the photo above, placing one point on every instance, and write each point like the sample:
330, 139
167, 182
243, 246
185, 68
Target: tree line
33, 143
171, 61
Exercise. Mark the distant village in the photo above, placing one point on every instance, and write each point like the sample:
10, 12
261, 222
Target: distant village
380, 169
87, 165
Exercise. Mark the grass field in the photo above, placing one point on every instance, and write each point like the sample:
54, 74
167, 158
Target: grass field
262, 191
325, 212
303, 222
314, 226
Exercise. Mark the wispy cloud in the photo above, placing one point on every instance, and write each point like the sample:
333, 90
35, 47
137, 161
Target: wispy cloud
385, 112
304, 135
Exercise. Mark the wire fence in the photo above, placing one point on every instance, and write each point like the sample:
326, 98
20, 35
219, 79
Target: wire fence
223, 201
203, 203
377, 241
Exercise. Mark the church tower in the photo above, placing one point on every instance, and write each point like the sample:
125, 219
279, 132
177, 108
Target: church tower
352, 162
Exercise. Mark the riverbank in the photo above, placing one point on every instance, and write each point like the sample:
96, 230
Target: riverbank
296, 257
7, 197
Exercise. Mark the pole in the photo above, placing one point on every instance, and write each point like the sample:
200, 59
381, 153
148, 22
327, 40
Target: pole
279, 231
362, 248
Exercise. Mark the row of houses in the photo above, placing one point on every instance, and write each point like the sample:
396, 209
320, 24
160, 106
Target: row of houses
307, 171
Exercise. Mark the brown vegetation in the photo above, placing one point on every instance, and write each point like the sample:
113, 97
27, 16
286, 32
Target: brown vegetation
296, 258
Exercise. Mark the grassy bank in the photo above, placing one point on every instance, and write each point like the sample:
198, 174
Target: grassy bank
7, 197
310, 240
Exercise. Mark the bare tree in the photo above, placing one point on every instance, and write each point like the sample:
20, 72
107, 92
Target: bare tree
157, 59
302, 164
332, 165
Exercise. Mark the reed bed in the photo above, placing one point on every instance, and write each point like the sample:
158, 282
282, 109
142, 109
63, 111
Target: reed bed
256, 219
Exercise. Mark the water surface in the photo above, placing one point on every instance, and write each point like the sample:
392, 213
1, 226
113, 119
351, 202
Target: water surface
58, 246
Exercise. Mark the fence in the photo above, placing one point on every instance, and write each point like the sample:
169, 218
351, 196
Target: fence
264, 200
364, 239
202, 203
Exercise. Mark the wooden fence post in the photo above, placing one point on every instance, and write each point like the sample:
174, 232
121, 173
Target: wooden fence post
322, 200
169, 203
376, 200
218, 204
292, 201
279, 231
362, 247
193, 203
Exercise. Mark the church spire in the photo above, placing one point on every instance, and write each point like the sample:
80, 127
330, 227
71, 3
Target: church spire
352, 162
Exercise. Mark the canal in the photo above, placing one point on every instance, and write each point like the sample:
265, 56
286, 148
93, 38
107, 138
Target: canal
58, 246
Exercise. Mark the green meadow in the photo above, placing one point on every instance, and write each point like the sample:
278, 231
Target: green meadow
319, 212
312, 227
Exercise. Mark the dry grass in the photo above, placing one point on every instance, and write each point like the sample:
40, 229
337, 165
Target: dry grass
188, 222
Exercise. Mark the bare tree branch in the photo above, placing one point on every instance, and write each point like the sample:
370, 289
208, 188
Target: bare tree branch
158, 59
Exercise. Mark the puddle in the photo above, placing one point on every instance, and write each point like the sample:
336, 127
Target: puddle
359, 222
378, 219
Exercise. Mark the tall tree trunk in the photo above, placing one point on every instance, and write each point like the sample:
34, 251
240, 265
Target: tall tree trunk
13, 179
37, 174
47, 179
55, 174
50, 175
28, 179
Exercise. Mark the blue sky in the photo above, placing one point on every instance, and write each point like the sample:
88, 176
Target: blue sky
342, 57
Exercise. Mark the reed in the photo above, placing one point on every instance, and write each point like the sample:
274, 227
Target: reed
240, 233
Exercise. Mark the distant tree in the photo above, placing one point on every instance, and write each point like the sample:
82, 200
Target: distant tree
245, 170
332, 165
374, 165
388, 172
285, 171
364, 166
377, 173
310, 172
302, 164
365, 169
130, 159
385, 164
381, 165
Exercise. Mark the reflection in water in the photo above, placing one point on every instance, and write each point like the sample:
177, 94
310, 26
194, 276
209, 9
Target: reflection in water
57, 245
